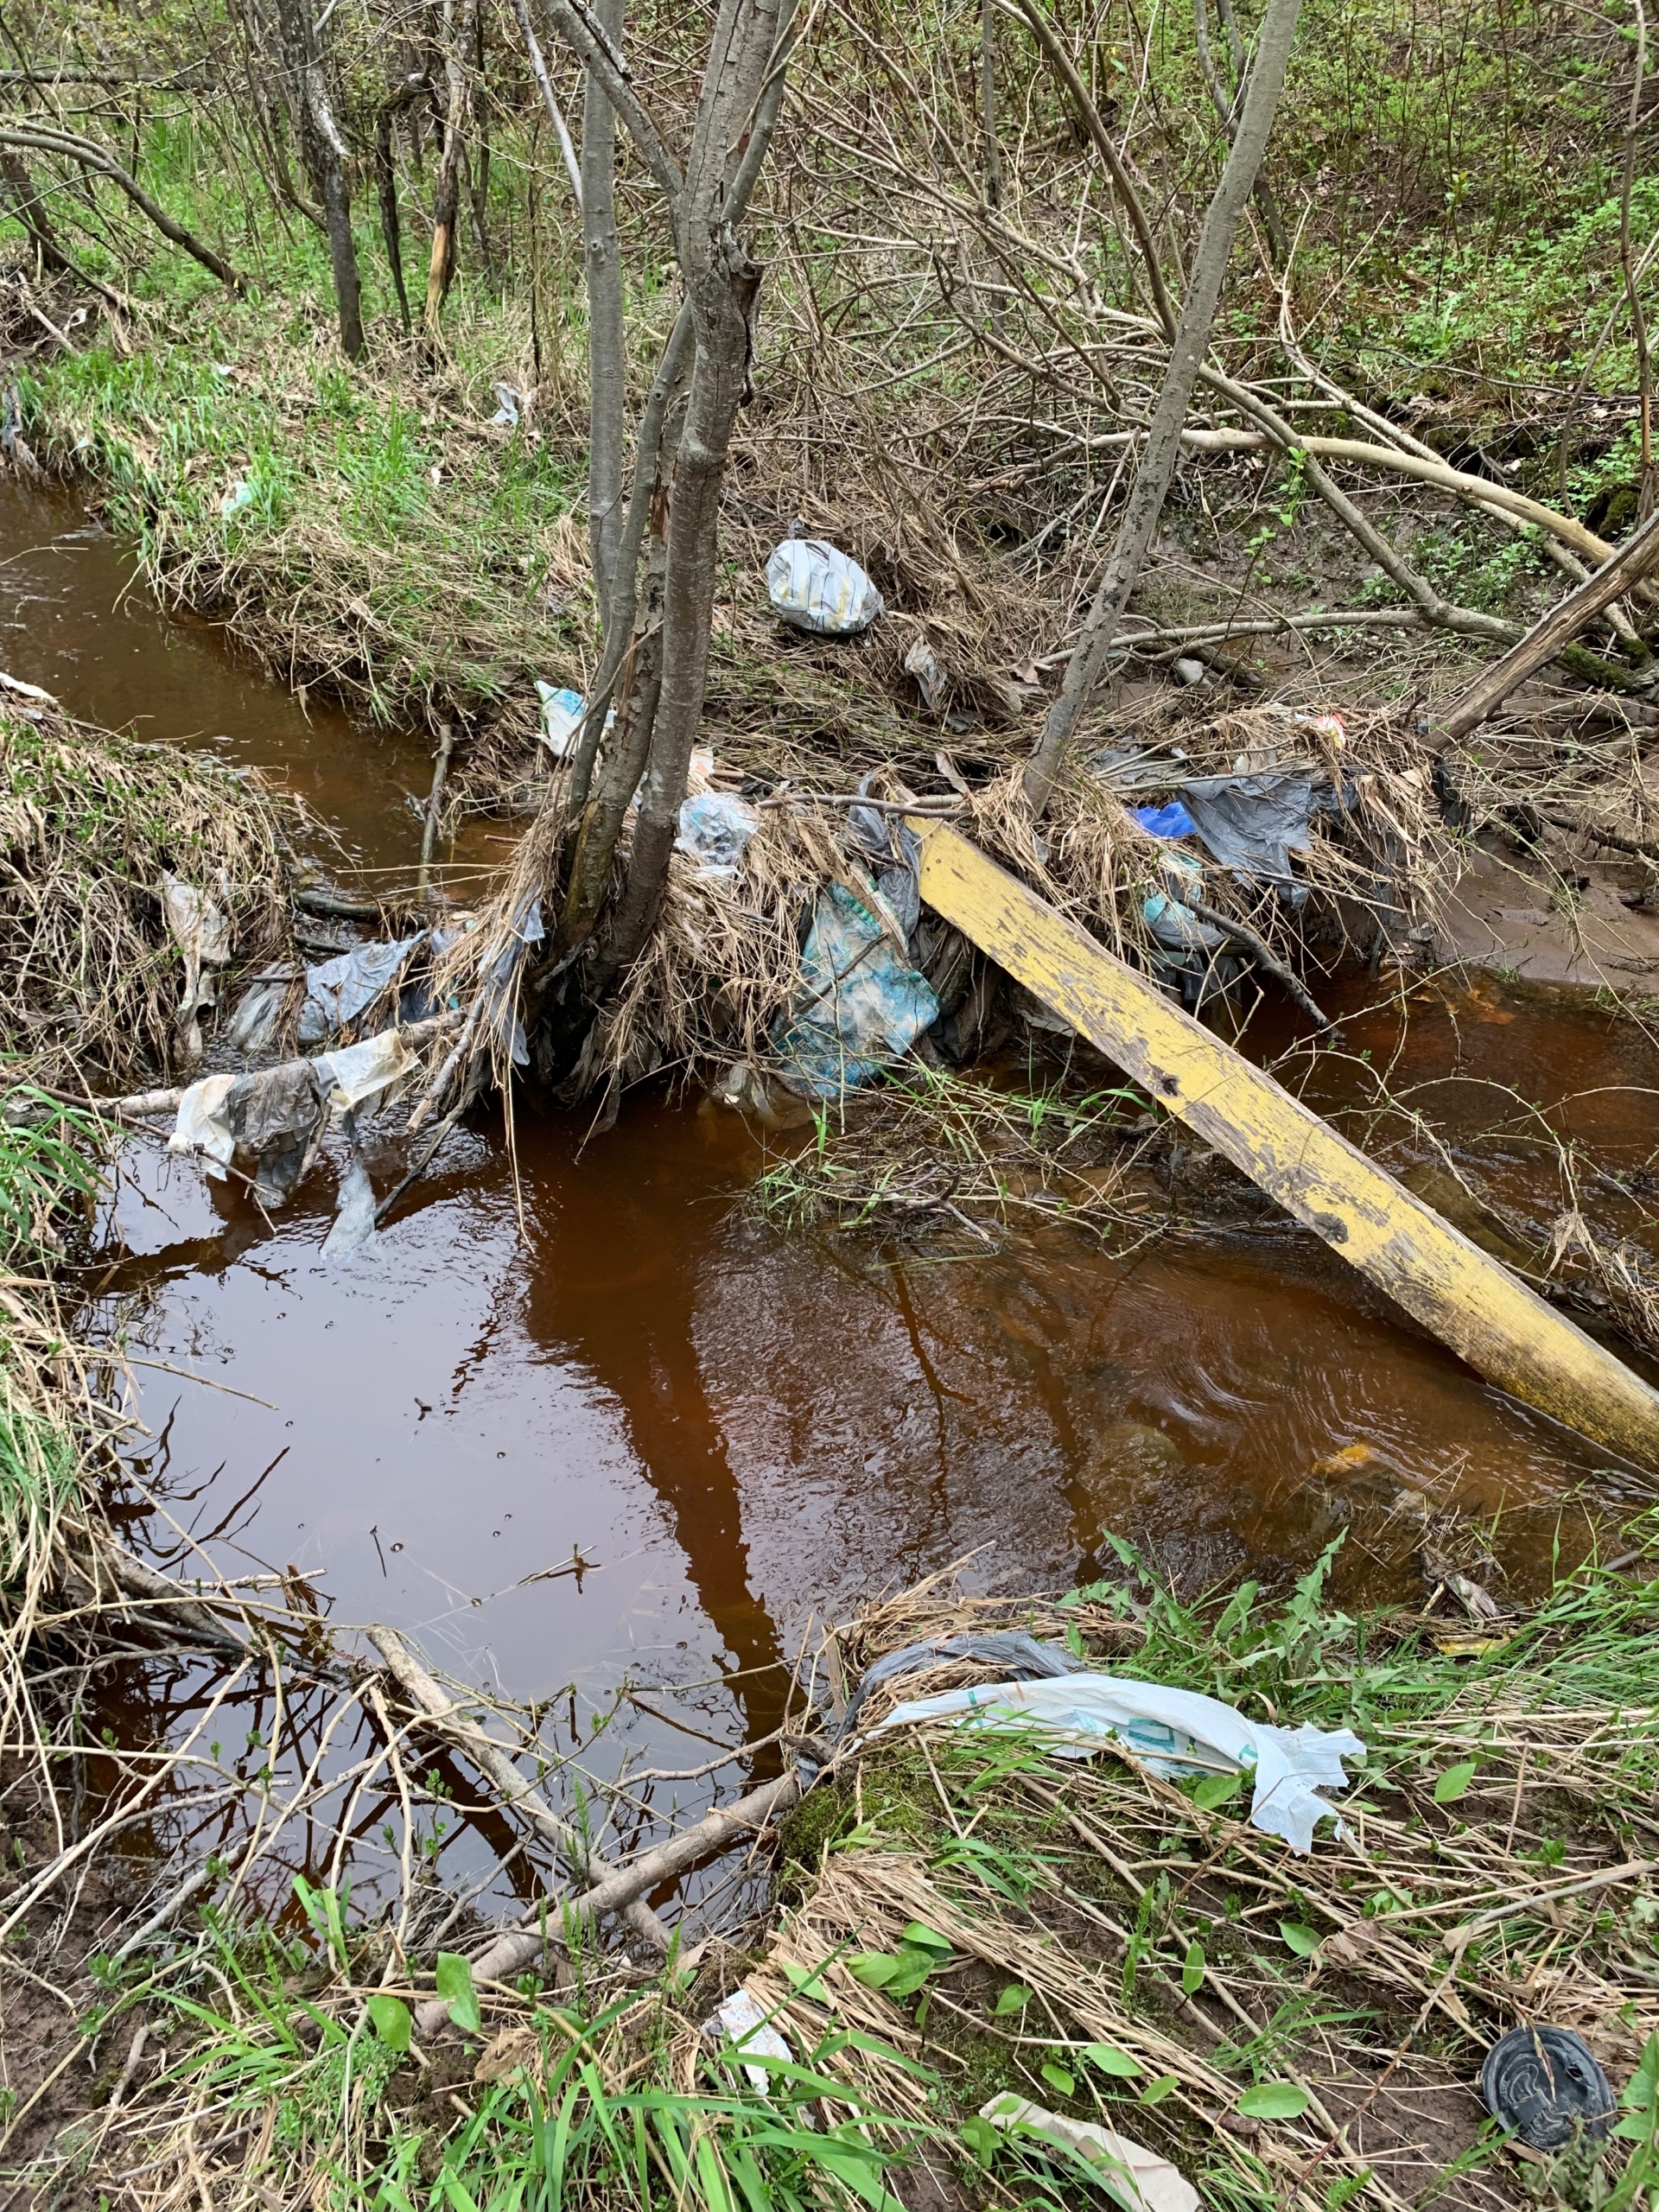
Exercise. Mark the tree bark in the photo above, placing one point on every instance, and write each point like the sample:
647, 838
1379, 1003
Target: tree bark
327, 161
606, 357
1186, 353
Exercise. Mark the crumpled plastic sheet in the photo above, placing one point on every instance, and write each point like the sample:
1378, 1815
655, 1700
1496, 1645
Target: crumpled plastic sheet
259, 1011
501, 978
814, 587
1254, 823
1171, 1731
858, 1007
715, 827
202, 933
353, 1222
265, 1127
899, 883
339, 992
1020, 1658
1170, 821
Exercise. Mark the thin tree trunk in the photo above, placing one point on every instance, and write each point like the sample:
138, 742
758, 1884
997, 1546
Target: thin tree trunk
445, 192
1226, 109
549, 97
385, 180
1187, 349
327, 162
987, 102
478, 173
606, 357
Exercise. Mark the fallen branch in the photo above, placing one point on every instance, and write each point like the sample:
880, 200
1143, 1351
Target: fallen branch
1265, 959
492, 1760
1547, 640
518, 1949
33, 138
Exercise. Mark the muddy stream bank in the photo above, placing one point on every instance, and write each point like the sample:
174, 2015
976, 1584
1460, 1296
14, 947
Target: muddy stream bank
592, 1424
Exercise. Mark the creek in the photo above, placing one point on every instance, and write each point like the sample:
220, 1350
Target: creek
586, 1421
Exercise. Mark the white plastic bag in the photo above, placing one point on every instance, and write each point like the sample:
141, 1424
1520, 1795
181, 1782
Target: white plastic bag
561, 714
813, 587
365, 1070
1171, 1731
740, 2019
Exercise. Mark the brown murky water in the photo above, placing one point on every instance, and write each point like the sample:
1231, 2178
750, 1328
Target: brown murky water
605, 1361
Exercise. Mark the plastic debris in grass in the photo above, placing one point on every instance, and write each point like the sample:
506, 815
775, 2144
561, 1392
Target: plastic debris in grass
741, 2020
339, 993
715, 827
858, 1006
1170, 1731
201, 929
1138, 2179
814, 587
561, 714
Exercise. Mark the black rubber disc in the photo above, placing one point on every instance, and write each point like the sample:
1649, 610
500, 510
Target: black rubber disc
1545, 2086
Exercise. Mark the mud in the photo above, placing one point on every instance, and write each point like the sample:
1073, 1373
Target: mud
582, 1420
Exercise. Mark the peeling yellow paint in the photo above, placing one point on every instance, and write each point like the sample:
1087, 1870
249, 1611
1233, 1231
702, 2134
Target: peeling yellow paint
1470, 1300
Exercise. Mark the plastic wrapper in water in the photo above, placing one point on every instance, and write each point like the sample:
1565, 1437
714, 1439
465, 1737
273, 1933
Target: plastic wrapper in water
340, 992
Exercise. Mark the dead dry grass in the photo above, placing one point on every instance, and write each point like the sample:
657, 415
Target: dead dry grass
90, 978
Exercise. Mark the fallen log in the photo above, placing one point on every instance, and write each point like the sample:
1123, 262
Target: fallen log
494, 1761
1466, 1298
1634, 559
516, 1949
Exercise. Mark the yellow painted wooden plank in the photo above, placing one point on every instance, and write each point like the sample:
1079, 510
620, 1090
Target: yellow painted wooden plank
1470, 1300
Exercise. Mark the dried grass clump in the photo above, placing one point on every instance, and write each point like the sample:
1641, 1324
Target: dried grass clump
89, 824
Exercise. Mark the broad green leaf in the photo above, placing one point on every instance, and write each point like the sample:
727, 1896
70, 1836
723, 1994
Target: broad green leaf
875, 1969
1014, 1999
1453, 1784
919, 1938
1155, 2092
1303, 1940
1216, 1789
1112, 2061
1056, 2077
455, 1988
390, 2019
980, 2137
1192, 1968
807, 1984
1274, 2101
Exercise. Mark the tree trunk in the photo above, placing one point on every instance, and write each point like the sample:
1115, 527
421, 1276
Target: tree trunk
327, 162
386, 178
606, 357
1186, 353
445, 192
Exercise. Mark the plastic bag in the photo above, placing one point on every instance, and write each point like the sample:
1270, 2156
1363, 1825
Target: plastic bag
1254, 823
1171, 1731
265, 1127
741, 2020
202, 933
340, 992
258, 1016
814, 587
561, 714
715, 827
371, 1070
858, 1006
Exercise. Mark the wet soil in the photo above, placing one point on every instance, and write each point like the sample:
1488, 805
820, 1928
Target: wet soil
583, 1420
